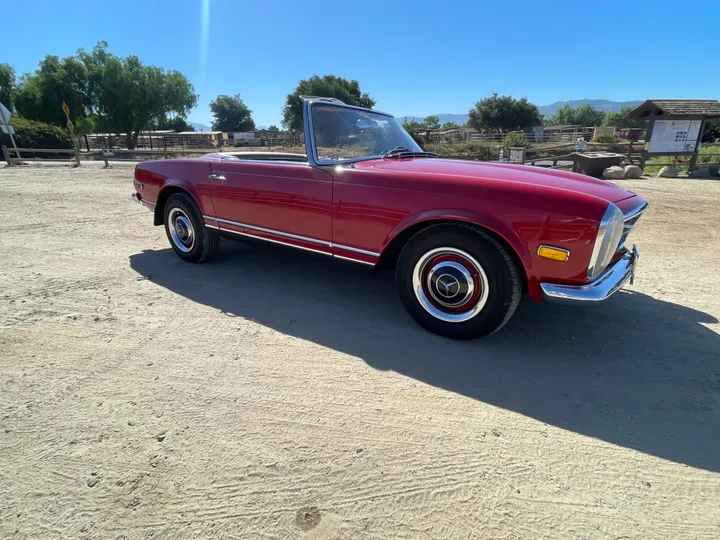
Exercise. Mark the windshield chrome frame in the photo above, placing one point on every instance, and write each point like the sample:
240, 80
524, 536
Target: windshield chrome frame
311, 146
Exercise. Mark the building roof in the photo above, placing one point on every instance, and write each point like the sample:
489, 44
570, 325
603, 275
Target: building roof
708, 108
199, 133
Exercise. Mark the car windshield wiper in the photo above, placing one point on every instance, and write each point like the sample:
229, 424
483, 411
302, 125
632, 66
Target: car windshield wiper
396, 150
408, 153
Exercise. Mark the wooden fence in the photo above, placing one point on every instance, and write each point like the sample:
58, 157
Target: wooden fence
555, 156
93, 155
74, 154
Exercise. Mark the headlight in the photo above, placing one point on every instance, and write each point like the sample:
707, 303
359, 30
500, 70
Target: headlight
607, 240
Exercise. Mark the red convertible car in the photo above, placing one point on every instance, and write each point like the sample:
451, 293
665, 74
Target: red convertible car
465, 238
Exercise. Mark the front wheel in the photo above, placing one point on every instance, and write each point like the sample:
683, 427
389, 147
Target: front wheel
185, 228
458, 281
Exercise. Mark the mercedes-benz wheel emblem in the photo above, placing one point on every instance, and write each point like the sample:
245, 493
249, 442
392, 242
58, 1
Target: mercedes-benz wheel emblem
448, 286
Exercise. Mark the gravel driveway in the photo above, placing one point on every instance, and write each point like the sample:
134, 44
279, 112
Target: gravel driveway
275, 394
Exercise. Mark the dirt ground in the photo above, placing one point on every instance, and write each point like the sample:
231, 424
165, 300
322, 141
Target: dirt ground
272, 393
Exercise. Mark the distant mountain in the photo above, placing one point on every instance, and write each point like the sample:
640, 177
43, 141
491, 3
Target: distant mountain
457, 118
547, 110
601, 104
200, 127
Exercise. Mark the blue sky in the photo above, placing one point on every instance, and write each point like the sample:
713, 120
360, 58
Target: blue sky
429, 57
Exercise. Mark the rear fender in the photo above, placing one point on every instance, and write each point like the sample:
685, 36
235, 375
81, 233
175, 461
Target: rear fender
174, 185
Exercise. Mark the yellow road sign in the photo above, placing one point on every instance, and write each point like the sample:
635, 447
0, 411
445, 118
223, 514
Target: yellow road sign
66, 109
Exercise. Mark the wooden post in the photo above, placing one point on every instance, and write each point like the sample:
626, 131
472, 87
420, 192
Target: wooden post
165, 147
105, 158
6, 153
76, 147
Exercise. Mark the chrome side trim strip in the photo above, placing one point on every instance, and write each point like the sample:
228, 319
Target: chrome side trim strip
290, 245
356, 250
273, 241
271, 231
293, 236
147, 202
353, 260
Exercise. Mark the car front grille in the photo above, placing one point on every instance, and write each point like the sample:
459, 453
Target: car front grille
631, 219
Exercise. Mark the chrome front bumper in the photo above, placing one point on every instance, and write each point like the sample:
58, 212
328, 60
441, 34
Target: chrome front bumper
604, 286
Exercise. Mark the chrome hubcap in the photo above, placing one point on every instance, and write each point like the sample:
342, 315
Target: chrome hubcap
181, 230
450, 284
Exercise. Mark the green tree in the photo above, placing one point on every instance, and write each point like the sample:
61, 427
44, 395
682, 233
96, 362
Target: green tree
564, 115
231, 114
8, 85
618, 119
129, 96
431, 122
175, 123
413, 126
584, 115
343, 89
450, 125
588, 116
40, 95
273, 128
503, 114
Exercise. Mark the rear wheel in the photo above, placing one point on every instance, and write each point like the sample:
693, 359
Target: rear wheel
458, 281
185, 228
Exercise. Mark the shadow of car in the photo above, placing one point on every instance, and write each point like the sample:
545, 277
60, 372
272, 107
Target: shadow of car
635, 371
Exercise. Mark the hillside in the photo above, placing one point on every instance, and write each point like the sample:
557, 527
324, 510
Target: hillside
601, 104
547, 110
200, 127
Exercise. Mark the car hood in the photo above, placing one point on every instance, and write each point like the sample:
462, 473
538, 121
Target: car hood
507, 172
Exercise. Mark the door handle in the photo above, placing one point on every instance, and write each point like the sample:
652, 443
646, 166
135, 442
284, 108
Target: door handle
218, 177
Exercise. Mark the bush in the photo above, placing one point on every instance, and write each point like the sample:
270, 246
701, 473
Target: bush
709, 153
419, 139
515, 139
477, 150
32, 134
606, 138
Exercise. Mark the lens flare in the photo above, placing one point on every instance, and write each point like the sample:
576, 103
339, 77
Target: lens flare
204, 37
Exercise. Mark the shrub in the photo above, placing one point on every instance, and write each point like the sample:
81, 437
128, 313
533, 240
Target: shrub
32, 134
515, 139
709, 153
476, 150
419, 139
606, 138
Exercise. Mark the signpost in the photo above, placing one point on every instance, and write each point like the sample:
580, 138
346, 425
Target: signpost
70, 126
517, 154
7, 128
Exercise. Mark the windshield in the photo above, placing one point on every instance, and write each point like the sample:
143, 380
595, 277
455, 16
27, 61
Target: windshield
345, 134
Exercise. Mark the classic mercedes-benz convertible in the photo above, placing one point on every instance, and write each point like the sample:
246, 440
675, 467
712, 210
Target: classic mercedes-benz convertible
465, 238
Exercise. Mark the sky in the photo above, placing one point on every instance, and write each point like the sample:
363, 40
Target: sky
416, 58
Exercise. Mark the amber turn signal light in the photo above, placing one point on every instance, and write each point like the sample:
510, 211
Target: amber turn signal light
553, 253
